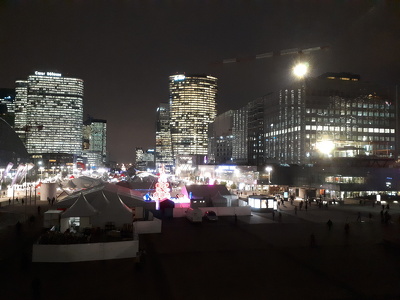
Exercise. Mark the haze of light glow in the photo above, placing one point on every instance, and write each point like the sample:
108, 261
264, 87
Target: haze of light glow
300, 70
325, 147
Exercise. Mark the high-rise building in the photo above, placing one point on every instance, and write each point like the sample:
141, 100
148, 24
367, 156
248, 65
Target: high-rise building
221, 139
228, 138
48, 113
7, 98
95, 142
334, 115
192, 108
239, 132
163, 153
144, 160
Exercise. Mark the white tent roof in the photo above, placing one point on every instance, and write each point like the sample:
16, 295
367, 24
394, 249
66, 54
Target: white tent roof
116, 211
100, 202
219, 200
81, 208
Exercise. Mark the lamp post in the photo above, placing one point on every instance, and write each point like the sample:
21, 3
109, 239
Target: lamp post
41, 173
269, 169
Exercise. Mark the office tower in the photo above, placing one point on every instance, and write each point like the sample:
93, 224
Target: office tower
192, 108
334, 115
221, 138
255, 131
163, 155
239, 132
48, 113
7, 98
95, 141
144, 160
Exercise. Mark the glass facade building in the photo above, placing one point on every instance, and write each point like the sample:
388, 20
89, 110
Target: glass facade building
95, 141
334, 115
221, 138
192, 109
49, 113
163, 154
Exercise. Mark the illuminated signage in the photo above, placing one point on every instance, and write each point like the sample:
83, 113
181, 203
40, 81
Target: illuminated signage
226, 168
179, 77
47, 74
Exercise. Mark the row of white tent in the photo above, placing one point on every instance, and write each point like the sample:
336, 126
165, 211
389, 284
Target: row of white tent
101, 205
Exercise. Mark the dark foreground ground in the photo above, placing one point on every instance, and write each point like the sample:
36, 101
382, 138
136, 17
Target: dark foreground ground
254, 258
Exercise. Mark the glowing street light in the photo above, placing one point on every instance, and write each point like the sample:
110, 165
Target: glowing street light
269, 169
300, 70
325, 147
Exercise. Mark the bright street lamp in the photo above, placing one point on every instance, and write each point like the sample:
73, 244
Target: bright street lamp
269, 169
41, 172
325, 147
300, 70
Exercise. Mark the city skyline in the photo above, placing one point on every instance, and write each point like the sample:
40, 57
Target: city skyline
126, 51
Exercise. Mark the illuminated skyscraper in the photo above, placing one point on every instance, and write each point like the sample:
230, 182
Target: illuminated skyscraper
49, 113
192, 108
95, 141
163, 154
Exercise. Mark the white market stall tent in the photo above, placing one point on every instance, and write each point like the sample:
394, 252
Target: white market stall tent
78, 215
115, 212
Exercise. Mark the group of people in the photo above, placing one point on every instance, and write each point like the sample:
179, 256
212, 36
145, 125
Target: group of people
51, 200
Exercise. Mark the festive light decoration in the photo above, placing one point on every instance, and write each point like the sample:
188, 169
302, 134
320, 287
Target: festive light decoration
162, 186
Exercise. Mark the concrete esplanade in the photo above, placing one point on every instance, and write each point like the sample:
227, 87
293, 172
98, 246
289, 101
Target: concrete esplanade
289, 255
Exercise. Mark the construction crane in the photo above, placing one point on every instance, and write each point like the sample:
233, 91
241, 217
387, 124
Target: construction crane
292, 51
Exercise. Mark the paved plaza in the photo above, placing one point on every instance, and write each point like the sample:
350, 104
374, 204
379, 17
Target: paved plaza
294, 256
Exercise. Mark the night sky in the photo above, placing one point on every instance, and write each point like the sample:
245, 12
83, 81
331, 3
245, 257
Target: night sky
125, 50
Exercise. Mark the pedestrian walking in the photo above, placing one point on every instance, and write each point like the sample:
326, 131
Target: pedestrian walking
329, 223
9, 201
387, 206
22, 201
306, 206
387, 217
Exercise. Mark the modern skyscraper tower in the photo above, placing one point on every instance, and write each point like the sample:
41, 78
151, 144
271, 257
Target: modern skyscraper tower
95, 141
163, 155
49, 113
192, 108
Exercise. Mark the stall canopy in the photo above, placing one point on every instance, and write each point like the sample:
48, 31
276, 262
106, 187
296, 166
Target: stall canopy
81, 208
219, 200
116, 211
